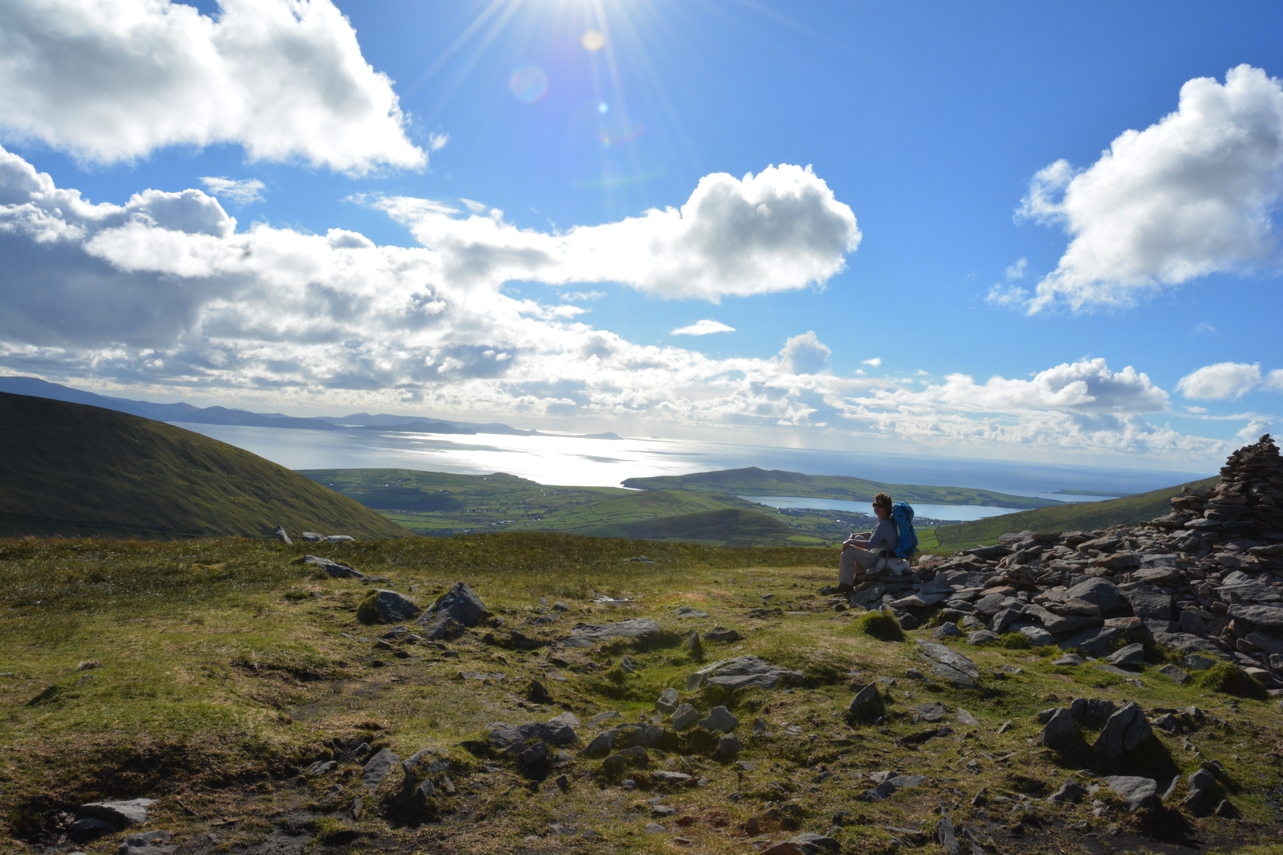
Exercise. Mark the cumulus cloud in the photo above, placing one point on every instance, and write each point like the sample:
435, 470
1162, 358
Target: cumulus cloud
876, 362
1190, 195
779, 230
112, 80
704, 327
1226, 380
243, 192
167, 290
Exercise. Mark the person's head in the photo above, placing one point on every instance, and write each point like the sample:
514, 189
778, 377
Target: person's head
882, 505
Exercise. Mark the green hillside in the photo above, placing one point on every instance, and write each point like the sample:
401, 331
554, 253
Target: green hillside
1086, 516
71, 469
725, 527
760, 482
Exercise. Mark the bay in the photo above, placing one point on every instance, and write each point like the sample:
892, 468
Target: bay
956, 513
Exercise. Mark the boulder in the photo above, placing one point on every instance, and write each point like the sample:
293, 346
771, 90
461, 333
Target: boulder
378, 767
1125, 730
1150, 603
334, 568
866, 706
948, 665
460, 604
587, 635
118, 814
1069, 792
722, 635
667, 703
929, 712
744, 671
1093, 642
719, 719
384, 606
504, 736
684, 717
1269, 618
1092, 713
947, 630
1061, 730
1131, 656
601, 744
728, 748
981, 636
1136, 791
280, 534
815, 844
1103, 594
1202, 790
147, 843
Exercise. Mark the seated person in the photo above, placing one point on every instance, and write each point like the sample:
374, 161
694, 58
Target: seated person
864, 549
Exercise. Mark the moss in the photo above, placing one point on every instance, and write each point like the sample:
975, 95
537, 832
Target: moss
1015, 641
1229, 679
881, 626
366, 612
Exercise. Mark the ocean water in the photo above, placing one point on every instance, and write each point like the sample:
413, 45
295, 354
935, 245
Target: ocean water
568, 460
963, 513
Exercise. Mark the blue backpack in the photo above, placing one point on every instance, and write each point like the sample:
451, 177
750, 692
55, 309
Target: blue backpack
907, 539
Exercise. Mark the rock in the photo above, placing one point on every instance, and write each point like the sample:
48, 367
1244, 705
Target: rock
1038, 636
744, 671
1137, 792
947, 630
384, 606
728, 748
1150, 603
1125, 730
1069, 793
1092, 713
946, 834
1131, 656
147, 843
670, 778
981, 636
1175, 674
1060, 731
1262, 617
1119, 561
667, 703
866, 706
537, 693
684, 717
1192, 623
1101, 593
1093, 642
118, 814
1198, 662
811, 844
688, 612
967, 719
1069, 660
783, 848
601, 744
1202, 789
1003, 620
505, 736
929, 712
334, 568
719, 720
378, 767
312, 537
948, 665
723, 636
460, 604
587, 635
284, 538
339, 538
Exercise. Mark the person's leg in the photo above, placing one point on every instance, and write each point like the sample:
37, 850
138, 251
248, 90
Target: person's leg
846, 567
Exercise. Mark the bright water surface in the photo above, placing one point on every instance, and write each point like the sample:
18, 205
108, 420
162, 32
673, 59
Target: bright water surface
551, 459
965, 513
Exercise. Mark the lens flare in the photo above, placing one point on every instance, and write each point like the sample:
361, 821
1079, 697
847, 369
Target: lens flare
593, 40
529, 83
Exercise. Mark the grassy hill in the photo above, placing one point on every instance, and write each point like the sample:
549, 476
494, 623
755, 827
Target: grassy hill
725, 527
1085, 516
761, 482
71, 469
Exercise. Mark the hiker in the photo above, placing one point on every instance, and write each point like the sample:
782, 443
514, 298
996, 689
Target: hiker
864, 549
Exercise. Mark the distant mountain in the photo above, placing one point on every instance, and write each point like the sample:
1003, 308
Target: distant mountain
75, 470
761, 482
223, 416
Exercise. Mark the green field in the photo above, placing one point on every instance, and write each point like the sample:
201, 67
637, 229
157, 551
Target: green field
1085, 516
760, 482
70, 469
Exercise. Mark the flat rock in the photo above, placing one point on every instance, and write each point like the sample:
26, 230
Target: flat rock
929, 712
719, 719
1175, 674
1136, 791
1150, 603
1125, 730
554, 732
688, 612
949, 665
333, 568
1039, 636
672, 778
812, 844
147, 843
1185, 642
744, 671
720, 634
1093, 642
391, 607
1103, 594
947, 630
587, 635
981, 636
1069, 660
120, 814
1131, 656
1263, 617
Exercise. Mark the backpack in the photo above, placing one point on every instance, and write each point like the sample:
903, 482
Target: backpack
907, 539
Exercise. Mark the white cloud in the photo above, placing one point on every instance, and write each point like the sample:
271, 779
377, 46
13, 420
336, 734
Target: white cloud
876, 362
1007, 293
1190, 195
165, 291
704, 327
243, 192
806, 354
1226, 380
1254, 429
112, 80
582, 296
779, 230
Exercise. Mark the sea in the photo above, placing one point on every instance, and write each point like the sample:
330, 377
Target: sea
572, 460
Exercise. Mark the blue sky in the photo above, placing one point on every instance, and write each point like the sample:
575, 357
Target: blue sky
866, 194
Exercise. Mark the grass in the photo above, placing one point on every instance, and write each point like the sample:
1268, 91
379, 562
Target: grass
75, 470
226, 666
1230, 679
1086, 516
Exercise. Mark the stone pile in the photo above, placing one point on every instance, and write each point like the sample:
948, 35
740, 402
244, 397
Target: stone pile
1205, 580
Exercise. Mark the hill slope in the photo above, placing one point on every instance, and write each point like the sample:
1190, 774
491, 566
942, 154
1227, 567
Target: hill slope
72, 469
723, 527
761, 482
1085, 516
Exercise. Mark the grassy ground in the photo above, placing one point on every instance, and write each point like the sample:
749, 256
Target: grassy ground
1086, 516
223, 667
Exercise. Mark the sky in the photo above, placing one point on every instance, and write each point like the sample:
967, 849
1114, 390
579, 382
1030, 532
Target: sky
1043, 232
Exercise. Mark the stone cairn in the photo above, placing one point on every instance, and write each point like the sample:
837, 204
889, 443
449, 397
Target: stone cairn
1205, 580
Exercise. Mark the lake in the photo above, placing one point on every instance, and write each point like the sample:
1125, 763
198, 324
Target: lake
553, 459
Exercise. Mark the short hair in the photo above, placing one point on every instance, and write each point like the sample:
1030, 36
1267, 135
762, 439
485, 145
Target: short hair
882, 500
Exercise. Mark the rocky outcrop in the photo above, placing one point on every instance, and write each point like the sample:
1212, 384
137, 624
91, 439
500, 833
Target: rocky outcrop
1204, 580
